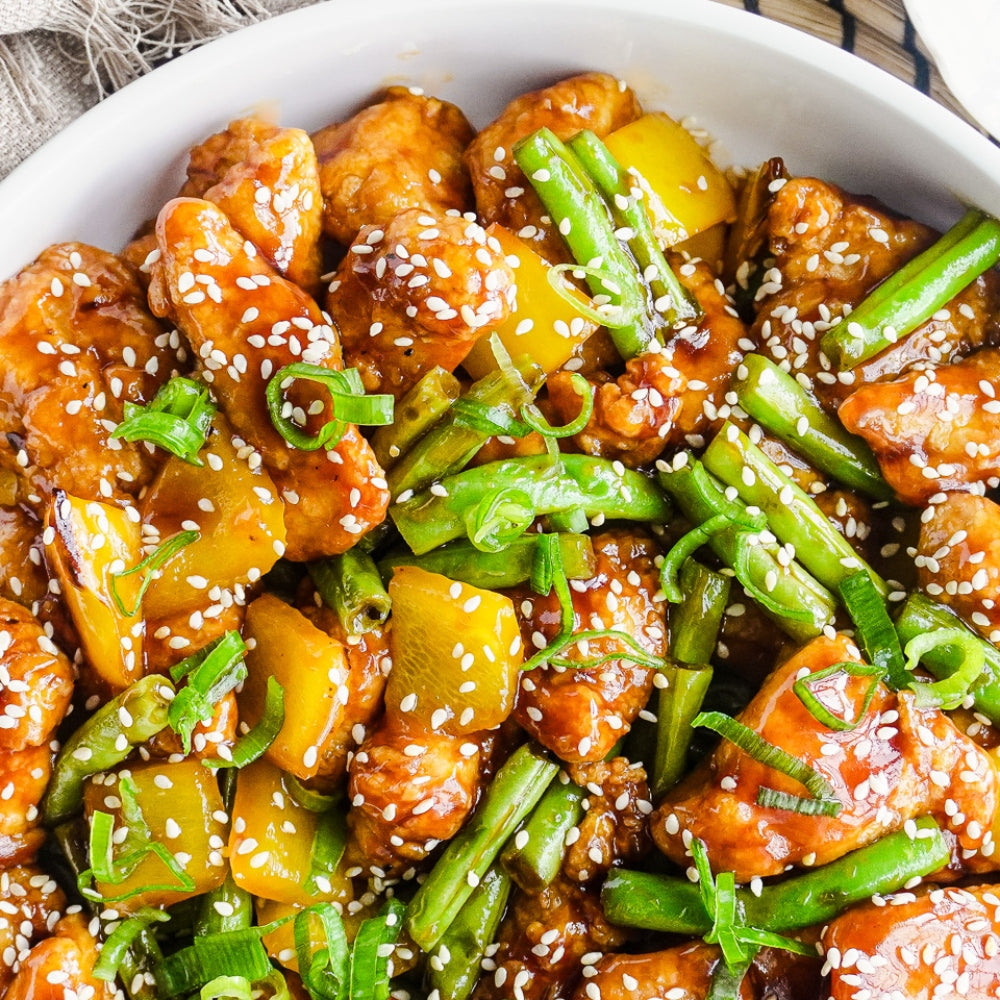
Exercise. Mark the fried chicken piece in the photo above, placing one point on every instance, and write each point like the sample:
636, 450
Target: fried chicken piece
614, 830
580, 713
404, 152
685, 973
410, 788
542, 941
24, 776
30, 904
900, 762
61, 966
417, 294
668, 398
36, 680
933, 430
958, 559
940, 943
266, 179
831, 249
595, 101
22, 575
77, 341
245, 322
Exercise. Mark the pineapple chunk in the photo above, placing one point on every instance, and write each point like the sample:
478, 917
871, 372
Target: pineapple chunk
310, 665
181, 805
240, 519
686, 193
542, 323
86, 543
456, 652
270, 846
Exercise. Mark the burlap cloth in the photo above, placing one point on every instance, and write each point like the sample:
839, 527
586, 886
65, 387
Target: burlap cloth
59, 57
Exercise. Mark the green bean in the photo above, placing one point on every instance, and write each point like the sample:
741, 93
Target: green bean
535, 853
781, 406
791, 514
455, 964
919, 615
667, 903
512, 794
415, 414
670, 297
510, 567
595, 485
104, 741
350, 584
910, 297
582, 217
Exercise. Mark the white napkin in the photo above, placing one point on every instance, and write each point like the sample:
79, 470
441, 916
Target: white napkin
963, 37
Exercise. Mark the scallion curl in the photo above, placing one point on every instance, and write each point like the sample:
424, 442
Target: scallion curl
156, 559
533, 417
606, 314
803, 690
118, 942
252, 745
950, 692
347, 394
499, 518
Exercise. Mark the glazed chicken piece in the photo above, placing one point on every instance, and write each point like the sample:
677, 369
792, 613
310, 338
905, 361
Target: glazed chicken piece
245, 322
933, 430
543, 939
670, 397
685, 973
22, 576
958, 559
61, 967
832, 248
940, 943
368, 665
579, 713
410, 788
404, 152
77, 341
266, 179
416, 294
900, 762
595, 101
614, 830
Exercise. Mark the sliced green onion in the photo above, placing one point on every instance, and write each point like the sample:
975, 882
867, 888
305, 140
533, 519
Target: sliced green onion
726, 979
604, 284
373, 943
115, 948
772, 798
326, 971
682, 549
719, 898
533, 418
630, 650
211, 674
327, 849
347, 394
770, 756
952, 691
162, 554
251, 745
744, 573
547, 573
236, 987
499, 518
309, 798
178, 419
803, 690
875, 631
487, 419
210, 958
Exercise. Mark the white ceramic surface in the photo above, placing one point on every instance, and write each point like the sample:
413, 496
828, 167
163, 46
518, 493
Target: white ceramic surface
759, 88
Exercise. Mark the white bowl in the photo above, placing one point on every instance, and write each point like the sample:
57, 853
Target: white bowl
759, 88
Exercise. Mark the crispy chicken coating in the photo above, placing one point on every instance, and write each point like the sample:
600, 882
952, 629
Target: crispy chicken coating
404, 152
667, 398
614, 830
30, 905
595, 101
410, 788
266, 179
416, 294
958, 559
579, 713
22, 574
685, 973
940, 943
832, 248
245, 322
933, 430
900, 762
77, 340
543, 939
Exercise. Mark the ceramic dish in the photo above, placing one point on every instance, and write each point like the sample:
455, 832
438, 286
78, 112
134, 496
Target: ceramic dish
758, 87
